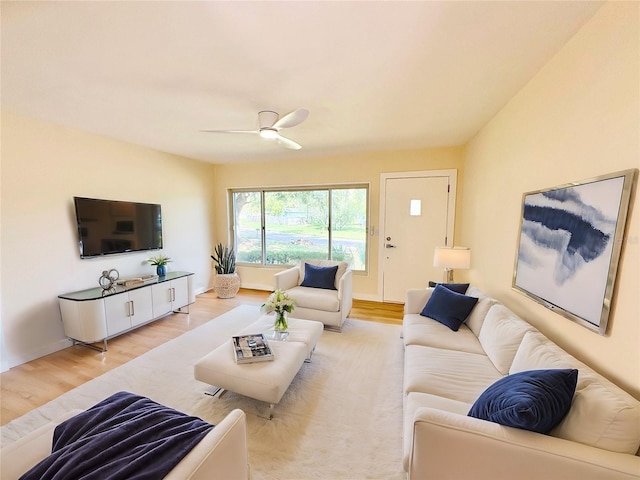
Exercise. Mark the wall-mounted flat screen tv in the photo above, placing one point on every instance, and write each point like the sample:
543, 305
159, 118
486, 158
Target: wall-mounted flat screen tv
107, 227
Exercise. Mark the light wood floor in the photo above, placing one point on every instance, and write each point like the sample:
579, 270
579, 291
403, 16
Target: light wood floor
35, 383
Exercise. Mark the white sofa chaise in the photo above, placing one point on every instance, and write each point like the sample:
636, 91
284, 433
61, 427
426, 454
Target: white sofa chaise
329, 306
222, 454
446, 371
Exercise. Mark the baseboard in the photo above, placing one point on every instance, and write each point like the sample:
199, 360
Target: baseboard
40, 352
199, 291
367, 297
257, 286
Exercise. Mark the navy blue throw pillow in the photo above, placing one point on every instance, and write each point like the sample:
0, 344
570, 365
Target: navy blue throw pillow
535, 400
448, 307
319, 277
456, 287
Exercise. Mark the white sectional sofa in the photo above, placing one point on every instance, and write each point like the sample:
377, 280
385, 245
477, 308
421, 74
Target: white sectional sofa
446, 371
222, 454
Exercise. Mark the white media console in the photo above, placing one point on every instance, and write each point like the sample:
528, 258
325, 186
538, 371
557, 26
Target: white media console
95, 315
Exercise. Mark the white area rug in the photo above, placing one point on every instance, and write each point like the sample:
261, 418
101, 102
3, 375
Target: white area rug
341, 418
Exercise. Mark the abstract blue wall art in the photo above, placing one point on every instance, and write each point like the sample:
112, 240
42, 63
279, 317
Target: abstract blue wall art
569, 246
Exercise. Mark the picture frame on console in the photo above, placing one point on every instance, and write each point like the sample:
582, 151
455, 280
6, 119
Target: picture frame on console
569, 246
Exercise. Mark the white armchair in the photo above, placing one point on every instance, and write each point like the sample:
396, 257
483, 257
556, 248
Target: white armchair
330, 307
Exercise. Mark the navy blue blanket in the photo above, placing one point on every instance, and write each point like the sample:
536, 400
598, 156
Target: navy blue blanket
125, 436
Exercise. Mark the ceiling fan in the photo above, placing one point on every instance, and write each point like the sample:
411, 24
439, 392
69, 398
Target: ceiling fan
270, 124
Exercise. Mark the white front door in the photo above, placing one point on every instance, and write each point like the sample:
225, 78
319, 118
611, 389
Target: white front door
418, 212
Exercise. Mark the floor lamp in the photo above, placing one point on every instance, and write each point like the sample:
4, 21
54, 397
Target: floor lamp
451, 258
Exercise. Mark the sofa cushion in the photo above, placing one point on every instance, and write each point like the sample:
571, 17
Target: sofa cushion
501, 334
456, 287
319, 277
315, 299
416, 299
448, 307
603, 415
419, 330
450, 374
474, 291
476, 318
534, 400
342, 268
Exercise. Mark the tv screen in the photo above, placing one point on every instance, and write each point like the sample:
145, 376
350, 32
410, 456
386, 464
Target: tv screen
107, 227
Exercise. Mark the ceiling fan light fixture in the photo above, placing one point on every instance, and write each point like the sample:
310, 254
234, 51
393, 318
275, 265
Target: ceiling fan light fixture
269, 133
270, 124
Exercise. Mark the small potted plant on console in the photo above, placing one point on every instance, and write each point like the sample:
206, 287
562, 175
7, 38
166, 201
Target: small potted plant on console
160, 262
227, 282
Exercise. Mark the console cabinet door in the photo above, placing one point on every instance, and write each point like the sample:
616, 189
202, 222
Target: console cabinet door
118, 312
170, 296
180, 292
162, 296
142, 304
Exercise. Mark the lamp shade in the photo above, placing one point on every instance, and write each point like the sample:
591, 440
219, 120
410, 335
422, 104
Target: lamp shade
453, 258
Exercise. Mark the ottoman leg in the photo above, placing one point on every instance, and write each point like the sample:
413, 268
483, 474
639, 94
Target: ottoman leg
270, 416
215, 392
308, 360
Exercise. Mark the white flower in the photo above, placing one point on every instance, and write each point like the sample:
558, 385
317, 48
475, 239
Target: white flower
280, 302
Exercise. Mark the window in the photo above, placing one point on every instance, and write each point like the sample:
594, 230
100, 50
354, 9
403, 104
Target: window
280, 227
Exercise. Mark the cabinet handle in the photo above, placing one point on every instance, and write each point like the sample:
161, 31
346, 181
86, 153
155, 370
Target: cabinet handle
173, 294
132, 310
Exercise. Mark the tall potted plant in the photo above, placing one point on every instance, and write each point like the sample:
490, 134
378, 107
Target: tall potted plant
227, 282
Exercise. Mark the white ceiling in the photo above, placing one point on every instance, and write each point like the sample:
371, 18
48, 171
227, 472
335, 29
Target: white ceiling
374, 75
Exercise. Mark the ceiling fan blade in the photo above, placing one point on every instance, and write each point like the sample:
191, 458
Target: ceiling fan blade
230, 131
286, 143
292, 119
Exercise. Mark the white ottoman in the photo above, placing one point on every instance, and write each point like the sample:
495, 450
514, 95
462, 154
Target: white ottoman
264, 381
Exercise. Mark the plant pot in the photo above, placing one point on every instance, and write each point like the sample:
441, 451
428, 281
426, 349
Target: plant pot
226, 285
161, 270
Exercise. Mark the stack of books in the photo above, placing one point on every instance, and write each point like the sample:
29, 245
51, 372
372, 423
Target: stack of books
143, 280
251, 348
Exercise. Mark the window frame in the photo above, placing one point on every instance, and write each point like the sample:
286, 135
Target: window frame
298, 188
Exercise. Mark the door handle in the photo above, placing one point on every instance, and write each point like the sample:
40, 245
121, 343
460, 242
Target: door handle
388, 245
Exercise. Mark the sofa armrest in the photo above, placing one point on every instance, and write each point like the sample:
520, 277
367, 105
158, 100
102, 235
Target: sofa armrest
416, 299
287, 279
493, 451
20, 456
221, 455
345, 292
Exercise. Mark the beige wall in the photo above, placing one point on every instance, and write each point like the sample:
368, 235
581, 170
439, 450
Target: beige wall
43, 168
578, 118
361, 168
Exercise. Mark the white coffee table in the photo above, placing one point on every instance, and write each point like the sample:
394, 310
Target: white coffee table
264, 381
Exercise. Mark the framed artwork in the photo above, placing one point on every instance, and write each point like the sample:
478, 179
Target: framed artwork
569, 246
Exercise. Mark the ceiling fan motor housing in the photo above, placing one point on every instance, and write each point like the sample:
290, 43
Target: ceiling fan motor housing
266, 118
